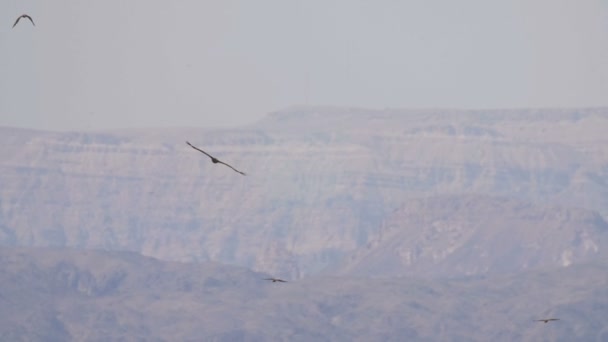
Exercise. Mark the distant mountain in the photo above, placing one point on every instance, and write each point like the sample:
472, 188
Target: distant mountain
320, 183
71, 295
473, 235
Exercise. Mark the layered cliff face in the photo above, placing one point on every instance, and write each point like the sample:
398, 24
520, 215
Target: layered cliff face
320, 182
470, 235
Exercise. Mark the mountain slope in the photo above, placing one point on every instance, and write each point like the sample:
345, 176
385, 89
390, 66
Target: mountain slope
475, 235
320, 180
49, 294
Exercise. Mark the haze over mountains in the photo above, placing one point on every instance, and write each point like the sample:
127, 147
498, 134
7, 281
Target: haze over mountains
320, 184
473, 235
412, 197
61, 295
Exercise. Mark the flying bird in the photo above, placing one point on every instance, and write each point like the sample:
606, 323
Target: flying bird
213, 159
274, 280
24, 16
547, 320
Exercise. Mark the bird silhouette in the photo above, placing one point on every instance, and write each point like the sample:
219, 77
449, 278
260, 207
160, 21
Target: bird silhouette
274, 280
24, 16
213, 159
546, 320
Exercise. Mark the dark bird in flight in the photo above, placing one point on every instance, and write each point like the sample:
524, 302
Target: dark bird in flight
274, 280
547, 320
24, 16
213, 159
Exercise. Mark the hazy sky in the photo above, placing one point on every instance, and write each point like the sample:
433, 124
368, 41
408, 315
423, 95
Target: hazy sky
125, 63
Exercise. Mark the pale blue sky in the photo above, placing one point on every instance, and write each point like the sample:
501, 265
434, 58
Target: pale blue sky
106, 64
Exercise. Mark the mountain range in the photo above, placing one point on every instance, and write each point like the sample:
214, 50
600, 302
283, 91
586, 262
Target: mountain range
51, 294
418, 225
324, 186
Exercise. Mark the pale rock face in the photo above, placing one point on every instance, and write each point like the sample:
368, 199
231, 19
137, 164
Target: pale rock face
566, 258
474, 234
320, 183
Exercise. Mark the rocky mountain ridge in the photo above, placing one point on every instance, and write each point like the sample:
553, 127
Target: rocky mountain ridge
471, 235
320, 184
74, 295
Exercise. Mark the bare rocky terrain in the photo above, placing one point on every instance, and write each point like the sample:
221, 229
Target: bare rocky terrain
74, 295
451, 236
463, 224
320, 183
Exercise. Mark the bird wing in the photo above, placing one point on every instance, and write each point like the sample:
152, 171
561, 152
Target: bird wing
210, 156
16, 21
276, 279
230, 166
198, 149
30, 18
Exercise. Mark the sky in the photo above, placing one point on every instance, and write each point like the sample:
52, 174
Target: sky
196, 63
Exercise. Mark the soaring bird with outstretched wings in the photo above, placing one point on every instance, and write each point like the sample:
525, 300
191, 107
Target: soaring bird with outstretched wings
546, 320
213, 159
24, 16
274, 280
